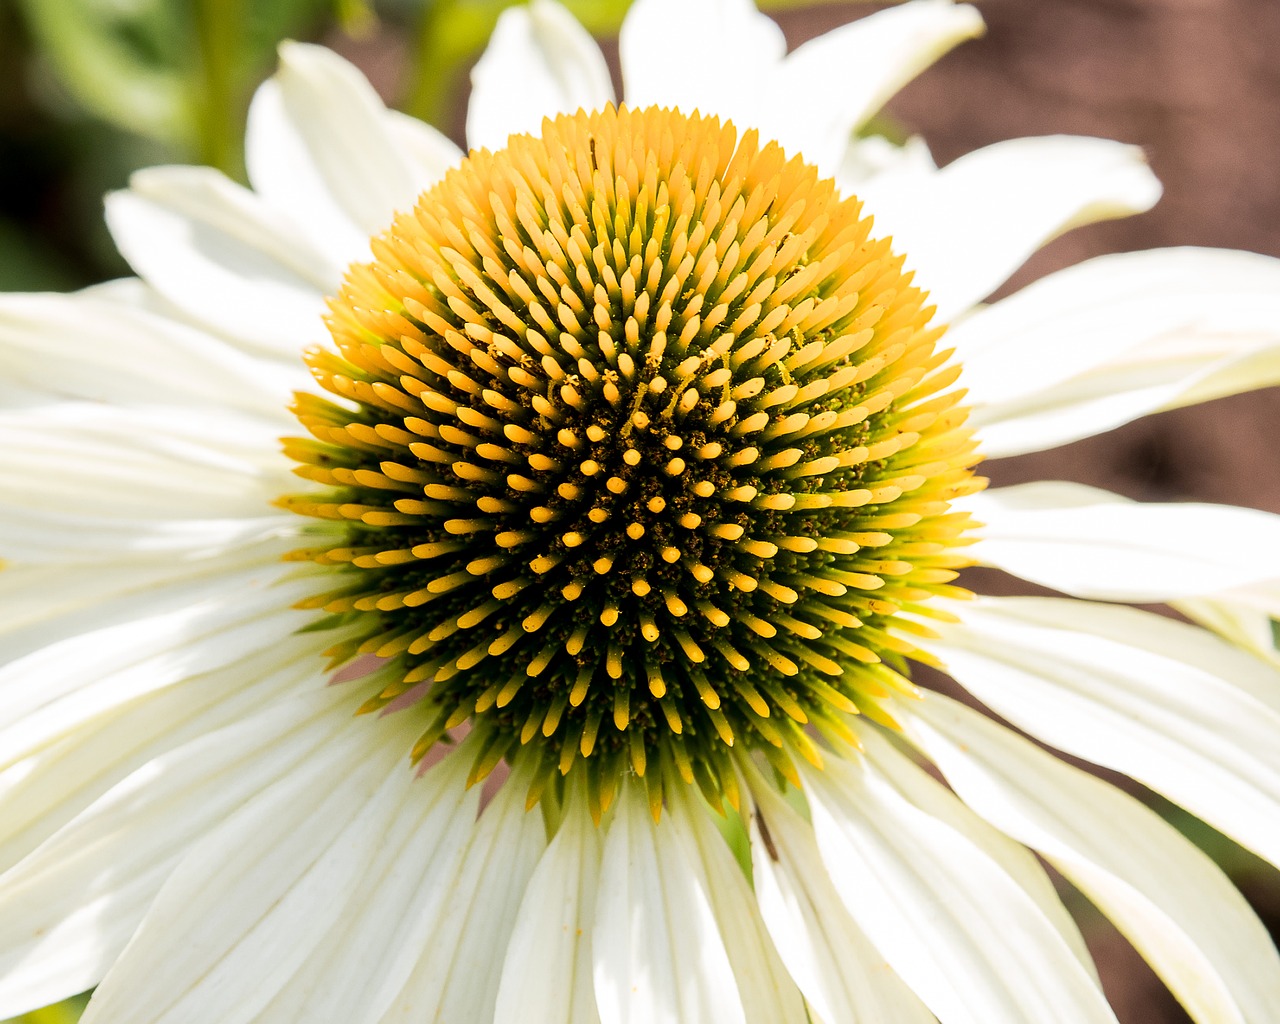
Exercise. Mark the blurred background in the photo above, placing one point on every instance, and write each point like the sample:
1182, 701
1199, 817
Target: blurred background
91, 90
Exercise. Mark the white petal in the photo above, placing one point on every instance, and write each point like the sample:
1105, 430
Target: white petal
768, 993
85, 479
51, 784
1090, 543
539, 62
968, 227
843, 977
714, 56
867, 158
1172, 902
54, 537
657, 948
89, 345
244, 908
913, 783
1096, 314
1255, 631
70, 907
959, 931
32, 594
1114, 338
1169, 704
190, 628
366, 956
322, 148
457, 976
429, 151
222, 255
63, 600
546, 974
855, 69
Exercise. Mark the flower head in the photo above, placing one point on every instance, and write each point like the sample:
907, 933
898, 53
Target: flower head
635, 460
645, 443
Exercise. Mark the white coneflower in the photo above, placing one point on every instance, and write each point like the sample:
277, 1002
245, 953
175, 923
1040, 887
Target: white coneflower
632, 475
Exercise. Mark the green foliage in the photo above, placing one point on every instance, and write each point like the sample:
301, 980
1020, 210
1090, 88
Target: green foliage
180, 74
66, 1012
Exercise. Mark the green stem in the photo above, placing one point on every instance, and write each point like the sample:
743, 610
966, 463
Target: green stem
216, 104
434, 76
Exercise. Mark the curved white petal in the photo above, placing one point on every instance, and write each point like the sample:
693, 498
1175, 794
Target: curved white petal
1172, 902
658, 954
539, 62
151, 470
867, 158
430, 152
714, 56
64, 599
768, 993
67, 910
1114, 338
826, 88
190, 628
965, 229
322, 148
1094, 544
957, 929
91, 346
1099, 314
221, 254
546, 973
841, 974
370, 950
913, 783
47, 786
457, 974
244, 908
1171, 705
32, 594
1255, 631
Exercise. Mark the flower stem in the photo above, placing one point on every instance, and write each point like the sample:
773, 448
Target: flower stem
216, 105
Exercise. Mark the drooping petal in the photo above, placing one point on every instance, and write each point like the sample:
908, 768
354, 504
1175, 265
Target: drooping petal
966, 228
429, 152
546, 973
713, 56
658, 954
245, 907
866, 159
83, 481
92, 346
65, 598
457, 974
1172, 902
223, 255
1094, 544
915, 784
1114, 338
322, 148
394, 914
70, 907
539, 62
767, 991
46, 784
841, 974
1168, 704
968, 939
139, 646
856, 68
1255, 631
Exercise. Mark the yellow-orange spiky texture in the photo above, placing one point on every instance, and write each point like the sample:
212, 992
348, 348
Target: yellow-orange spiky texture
642, 441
